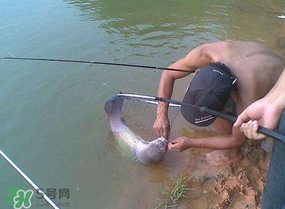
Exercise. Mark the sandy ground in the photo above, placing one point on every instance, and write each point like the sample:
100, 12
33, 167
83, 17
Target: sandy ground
239, 185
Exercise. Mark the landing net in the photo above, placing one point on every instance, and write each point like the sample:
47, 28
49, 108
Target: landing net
139, 114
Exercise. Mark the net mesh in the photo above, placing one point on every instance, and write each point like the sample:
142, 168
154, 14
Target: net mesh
139, 114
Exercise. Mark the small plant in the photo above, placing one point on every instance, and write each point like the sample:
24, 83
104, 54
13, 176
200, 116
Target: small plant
204, 192
251, 143
220, 176
234, 167
253, 157
205, 179
178, 192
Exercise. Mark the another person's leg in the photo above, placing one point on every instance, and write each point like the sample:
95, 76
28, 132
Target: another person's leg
274, 192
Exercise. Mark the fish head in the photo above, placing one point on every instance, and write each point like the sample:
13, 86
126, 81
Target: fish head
114, 105
152, 152
160, 143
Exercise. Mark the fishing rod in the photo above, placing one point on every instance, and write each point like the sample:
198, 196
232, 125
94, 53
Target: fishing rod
203, 109
233, 119
28, 179
95, 63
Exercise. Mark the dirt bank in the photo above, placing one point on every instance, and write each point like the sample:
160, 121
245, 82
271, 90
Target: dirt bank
236, 186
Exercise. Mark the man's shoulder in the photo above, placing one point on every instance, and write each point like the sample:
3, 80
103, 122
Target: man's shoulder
212, 50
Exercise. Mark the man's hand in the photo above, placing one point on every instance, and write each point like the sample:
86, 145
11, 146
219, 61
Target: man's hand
261, 112
161, 126
180, 144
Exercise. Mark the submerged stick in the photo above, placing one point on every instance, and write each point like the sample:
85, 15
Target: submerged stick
28, 179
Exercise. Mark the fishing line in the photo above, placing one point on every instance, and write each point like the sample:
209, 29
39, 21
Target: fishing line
95, 63
28, 179
261, 129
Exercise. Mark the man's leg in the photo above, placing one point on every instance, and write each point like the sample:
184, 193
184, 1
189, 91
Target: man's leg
274, 193
223, 157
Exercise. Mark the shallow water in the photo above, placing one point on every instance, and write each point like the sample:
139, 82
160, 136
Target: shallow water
52, 118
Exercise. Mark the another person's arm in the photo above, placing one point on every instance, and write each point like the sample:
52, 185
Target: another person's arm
197, 58
265, 112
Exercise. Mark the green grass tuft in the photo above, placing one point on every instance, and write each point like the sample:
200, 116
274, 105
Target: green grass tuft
180, 188
205, 179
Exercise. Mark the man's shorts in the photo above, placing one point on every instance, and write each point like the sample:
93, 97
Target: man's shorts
230, 108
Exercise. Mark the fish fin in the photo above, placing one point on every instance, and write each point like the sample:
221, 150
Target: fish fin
124, 121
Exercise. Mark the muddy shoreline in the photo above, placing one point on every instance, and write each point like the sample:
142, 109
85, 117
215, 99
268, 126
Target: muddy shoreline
236, 186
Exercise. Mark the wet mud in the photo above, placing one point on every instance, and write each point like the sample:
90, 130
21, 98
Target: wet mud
235, 186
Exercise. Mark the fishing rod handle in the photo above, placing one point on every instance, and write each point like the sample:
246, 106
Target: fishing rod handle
272, 134
261, 129
226, 117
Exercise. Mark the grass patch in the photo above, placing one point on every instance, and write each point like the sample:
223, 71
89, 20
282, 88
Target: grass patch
254, 157
179, 185
205, 179
220, 176
234, 167
250, 143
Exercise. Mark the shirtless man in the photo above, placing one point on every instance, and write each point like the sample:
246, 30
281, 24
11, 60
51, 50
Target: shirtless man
257, 69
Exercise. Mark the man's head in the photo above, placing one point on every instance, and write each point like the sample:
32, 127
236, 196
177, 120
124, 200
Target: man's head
211, 88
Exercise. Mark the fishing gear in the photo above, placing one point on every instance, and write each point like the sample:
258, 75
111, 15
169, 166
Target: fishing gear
29, 180
202, 109
131, 118
96, 63
261, 129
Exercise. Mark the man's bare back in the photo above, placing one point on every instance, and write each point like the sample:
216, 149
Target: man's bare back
257, 69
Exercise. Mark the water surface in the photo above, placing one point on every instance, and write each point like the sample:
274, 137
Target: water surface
52, 118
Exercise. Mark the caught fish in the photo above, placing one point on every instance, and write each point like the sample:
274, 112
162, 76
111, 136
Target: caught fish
137, 148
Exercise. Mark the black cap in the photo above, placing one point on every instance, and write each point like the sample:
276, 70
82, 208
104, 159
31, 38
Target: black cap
211, 88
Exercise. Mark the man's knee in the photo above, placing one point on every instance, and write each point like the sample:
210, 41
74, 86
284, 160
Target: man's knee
222, 126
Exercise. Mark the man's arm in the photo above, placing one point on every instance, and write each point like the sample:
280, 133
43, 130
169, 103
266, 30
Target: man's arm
231, 137
234, 140
197, 58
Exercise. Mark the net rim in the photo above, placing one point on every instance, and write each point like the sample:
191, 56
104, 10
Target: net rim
151, 99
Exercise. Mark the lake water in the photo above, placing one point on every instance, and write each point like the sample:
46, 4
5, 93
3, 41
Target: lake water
52, 119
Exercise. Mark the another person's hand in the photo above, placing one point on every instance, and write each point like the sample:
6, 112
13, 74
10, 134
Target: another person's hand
178, 145
262, 113
161, 126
